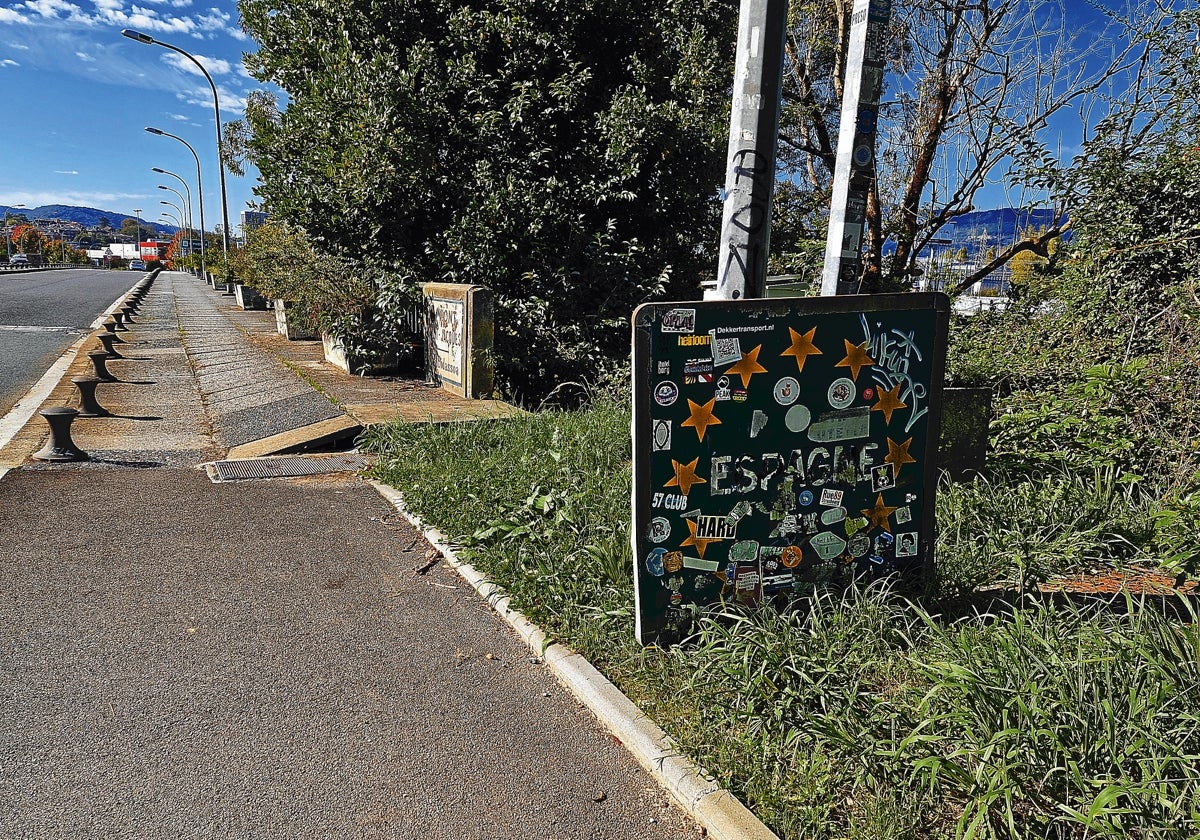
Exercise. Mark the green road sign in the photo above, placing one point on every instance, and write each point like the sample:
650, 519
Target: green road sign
780, 444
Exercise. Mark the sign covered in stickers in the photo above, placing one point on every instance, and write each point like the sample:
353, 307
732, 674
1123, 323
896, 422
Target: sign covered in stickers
781, 444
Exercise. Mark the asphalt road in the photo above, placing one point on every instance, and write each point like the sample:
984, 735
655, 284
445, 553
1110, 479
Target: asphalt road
42, 313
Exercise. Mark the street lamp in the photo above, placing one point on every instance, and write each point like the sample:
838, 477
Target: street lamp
138, 243
189, 222
199, 189
143, 38
182, 203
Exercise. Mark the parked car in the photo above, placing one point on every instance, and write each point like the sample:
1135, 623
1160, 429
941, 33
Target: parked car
137, 265
18, 259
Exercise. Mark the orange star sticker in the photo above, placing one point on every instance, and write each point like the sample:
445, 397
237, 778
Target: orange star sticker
898, 454
878, 515
701, 543
802, 347
889, 401
856, 358
748, 366
685, 476
702, 417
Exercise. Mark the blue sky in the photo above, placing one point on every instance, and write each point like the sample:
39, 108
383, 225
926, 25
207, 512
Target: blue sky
76, 96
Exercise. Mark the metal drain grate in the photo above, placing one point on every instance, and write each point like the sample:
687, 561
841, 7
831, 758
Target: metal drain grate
284, 466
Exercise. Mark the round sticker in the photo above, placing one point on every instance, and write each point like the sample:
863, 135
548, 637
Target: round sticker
806, 498
791, 556
841, 393
868, 393
787, 390
862, 155
797, 418
859, 544
666, 392
660, 529
654, 561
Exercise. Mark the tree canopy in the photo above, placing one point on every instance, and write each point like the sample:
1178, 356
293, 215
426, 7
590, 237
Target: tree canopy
565, 153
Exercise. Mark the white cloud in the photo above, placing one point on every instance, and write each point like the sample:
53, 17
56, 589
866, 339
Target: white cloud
214, 66
73, 198
179, 117
8, 62
18, 47
84, 57
11, 16
66, 171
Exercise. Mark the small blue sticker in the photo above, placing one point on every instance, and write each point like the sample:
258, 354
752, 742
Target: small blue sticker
654, 561
806, 498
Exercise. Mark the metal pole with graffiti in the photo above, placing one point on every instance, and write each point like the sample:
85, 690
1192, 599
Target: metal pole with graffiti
753, 139
855, 169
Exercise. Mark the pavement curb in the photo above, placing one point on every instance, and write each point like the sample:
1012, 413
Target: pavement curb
20, 415
721, 814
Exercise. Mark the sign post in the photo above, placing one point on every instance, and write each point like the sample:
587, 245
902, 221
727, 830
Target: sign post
753, 141
854, 171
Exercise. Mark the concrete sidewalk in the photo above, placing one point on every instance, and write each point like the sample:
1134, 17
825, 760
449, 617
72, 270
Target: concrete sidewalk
182, 658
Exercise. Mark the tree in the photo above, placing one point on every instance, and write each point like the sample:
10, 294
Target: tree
971, 89
563, 152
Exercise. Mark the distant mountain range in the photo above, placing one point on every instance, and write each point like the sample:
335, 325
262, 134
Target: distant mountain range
86, 216
985, 229
975, 232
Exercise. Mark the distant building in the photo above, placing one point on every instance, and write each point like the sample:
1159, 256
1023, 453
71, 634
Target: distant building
252, 220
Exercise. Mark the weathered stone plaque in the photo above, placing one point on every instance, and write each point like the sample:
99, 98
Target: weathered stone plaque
780, 445
458, 338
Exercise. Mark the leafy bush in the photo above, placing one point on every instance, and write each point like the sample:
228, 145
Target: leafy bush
563, 153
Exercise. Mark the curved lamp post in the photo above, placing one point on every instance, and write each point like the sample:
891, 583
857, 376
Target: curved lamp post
182, 201
137, 245
199, 188
170, 218
189, 222
143, 38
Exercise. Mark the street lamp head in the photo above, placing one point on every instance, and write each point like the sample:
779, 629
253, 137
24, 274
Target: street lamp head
161, 187
159, 171
158, 131
140, 37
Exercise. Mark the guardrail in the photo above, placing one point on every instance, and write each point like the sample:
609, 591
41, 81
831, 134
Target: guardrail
17, 269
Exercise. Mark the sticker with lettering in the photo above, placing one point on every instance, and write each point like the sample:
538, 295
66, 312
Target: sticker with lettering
830, 498
828, 545
664, 367
679, 321
665, 393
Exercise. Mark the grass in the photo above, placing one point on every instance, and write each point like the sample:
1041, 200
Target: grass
856, 714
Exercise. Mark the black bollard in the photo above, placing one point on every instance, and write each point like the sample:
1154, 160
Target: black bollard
127, 313
107, 340
110, 328
88, 407
119, 319
99, 365
60, 447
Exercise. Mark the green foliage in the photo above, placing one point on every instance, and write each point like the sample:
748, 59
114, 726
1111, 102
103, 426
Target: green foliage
326, 292
562, 153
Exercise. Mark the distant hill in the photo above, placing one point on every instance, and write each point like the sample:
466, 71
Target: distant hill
983, 229
86, 216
